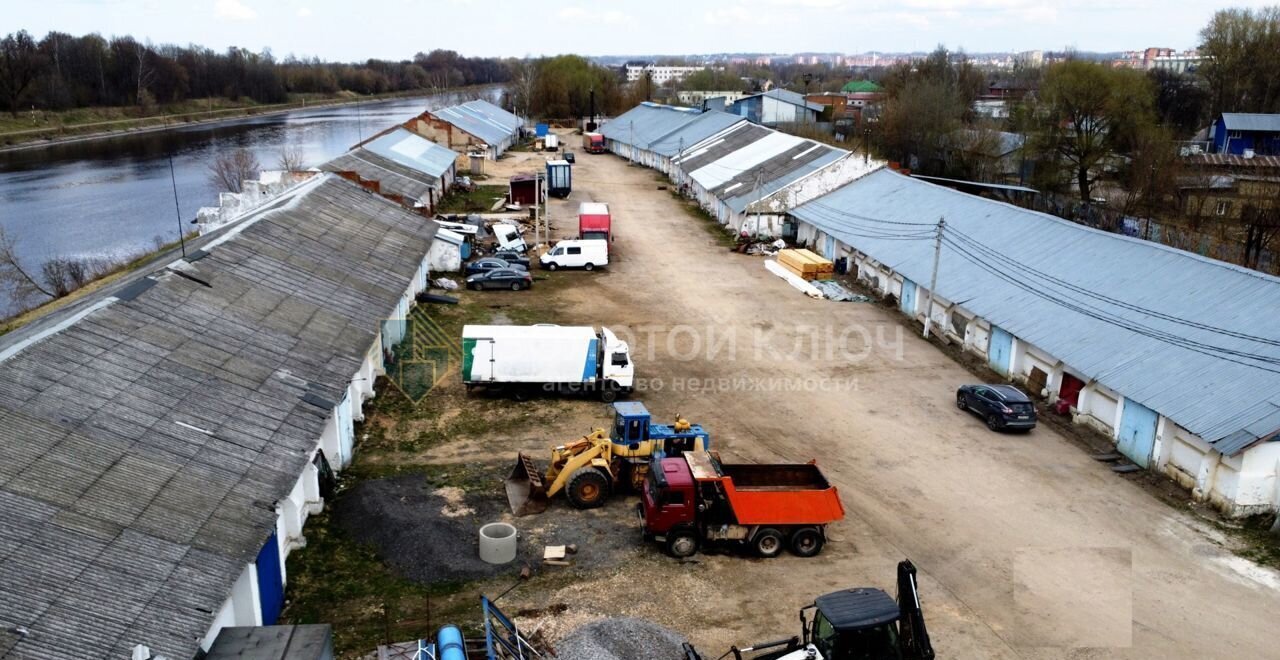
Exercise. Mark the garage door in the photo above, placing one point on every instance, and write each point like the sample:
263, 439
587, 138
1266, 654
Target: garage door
1000, 349
908, 297
1137, 432
270, 581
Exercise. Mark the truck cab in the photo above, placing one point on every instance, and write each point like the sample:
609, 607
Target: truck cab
617, 368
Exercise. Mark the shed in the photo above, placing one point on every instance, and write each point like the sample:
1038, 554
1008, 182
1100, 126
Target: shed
1243, 133
523, 189
776, 106
446, 255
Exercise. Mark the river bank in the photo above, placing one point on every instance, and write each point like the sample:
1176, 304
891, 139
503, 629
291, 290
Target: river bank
71, 133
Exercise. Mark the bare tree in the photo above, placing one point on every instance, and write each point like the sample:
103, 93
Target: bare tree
23, 285
290, 159
231, 169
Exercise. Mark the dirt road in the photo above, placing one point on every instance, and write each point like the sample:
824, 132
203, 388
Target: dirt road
1026, 547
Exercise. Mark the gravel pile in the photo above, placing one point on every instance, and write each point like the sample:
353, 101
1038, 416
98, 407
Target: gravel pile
622, 638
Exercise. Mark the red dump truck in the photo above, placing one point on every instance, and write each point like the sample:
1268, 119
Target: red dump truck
695, 499
594, 221
593, 143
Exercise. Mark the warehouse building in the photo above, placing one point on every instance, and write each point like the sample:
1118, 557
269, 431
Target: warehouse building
777, 106
400, 165
167, 438
478, 127
1173, 355
747, 176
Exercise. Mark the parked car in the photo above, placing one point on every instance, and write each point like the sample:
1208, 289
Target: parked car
1002, 406
513, 258
577, 253
568, 155
501, 278
493, 263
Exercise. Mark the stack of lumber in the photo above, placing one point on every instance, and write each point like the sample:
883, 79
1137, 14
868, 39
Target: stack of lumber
806, 265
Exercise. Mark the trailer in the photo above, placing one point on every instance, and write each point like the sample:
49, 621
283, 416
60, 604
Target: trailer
526, 358
551, 142
593, 143
695, 499
559, 178
594, 221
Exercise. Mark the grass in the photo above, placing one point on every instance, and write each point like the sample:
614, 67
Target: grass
111, 274
1259, 544
708, 222
479, 200
337, 580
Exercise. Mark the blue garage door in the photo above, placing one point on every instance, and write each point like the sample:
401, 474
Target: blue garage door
270, 581
908, 297
999, 350
1137, 432
829, 250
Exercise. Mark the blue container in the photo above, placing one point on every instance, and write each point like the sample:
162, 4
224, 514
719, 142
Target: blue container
449, 644
540, 130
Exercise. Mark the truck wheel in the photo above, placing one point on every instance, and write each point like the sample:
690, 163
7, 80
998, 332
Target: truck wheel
807, 542
608, 393
682, 543
589, 266
552, 266
588, 488
768, 543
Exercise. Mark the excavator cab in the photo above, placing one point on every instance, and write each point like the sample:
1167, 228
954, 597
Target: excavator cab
853, 624
866, 624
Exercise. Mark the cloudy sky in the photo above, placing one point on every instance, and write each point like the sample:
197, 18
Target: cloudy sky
393, 29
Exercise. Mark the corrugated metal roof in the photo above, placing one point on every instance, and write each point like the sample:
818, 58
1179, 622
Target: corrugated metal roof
787, 96
393, 178
412, 150
1233, 160
481, 119
1213, 397
1250, 121
706, 125
647, 123
147, 443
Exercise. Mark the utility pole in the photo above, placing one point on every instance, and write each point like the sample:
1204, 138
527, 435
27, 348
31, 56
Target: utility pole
933, 280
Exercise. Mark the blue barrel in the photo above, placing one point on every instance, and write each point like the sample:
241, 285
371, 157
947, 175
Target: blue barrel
449, 644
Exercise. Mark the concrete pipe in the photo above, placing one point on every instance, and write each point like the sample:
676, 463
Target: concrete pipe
498, 542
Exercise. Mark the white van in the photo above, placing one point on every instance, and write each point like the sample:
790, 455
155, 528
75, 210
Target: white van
508, 236
577, 253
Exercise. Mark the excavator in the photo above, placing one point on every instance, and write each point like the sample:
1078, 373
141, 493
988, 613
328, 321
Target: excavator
863, 623
593, 467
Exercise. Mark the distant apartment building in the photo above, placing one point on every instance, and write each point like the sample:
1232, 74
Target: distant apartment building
697, 96
1159, 58
659, 74
1029, 59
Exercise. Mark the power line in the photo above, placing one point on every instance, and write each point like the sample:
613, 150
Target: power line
1182, 342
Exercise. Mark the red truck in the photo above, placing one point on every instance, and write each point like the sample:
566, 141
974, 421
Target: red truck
594, 221
593, 143
695, 499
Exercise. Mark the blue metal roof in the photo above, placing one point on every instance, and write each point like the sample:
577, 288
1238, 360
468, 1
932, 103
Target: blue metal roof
414, 151
1251, 121
482, 119
1218, 399
704, 126
786, 96
647, 122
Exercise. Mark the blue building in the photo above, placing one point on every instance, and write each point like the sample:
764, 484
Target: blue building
1240, 132
776, 106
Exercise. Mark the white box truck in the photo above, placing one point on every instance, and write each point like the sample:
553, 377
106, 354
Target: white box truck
576, 253
551, 357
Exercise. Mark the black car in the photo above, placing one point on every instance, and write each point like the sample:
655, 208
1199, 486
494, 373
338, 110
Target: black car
568, 156
501, 278
493, 263
512, 257
1002, 406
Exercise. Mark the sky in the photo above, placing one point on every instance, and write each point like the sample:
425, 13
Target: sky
354, 30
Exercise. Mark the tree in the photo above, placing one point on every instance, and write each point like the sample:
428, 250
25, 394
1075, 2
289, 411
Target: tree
20, 63
1242, 65
23, 285
926, 103
1182, 100
231, 169
1087, 113
290, 159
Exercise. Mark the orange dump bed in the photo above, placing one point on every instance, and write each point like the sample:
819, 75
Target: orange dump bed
778, 494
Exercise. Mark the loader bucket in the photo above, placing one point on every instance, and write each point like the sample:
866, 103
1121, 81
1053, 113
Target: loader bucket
526, 491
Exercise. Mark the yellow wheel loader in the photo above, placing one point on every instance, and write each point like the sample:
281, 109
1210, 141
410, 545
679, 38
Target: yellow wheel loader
592, 467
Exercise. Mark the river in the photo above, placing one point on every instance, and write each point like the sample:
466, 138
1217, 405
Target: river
113, 197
